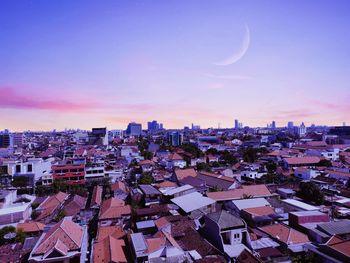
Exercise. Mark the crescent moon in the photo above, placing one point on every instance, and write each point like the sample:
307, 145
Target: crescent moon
240, 53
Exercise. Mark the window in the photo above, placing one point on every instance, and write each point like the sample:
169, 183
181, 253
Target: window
226, 237
18, 168
30, 168
236, 235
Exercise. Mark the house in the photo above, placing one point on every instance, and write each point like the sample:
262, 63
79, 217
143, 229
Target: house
258, 216
195, 182
32, 168
253, 191
66, 241
154, 249
175, 161
14, 209
96, 198
192, 202
301, 161
51, 205
151, 194
109, 246
287, 236
71, 173
307, 221
235, 206
114, 211
181, 174
146, 165
336, 250
31, 228
252, 173
226, 232
74, 205
217, 181
306, 173
119, 190
297, 205
179, 191
285, 192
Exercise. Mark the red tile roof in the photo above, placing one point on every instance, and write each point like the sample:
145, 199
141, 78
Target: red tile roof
260, 211
65, 233
239, 193
305, 160
285, 234
183, 173
29, 227
113, 208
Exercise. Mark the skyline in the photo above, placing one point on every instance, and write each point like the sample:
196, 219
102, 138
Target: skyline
82, 64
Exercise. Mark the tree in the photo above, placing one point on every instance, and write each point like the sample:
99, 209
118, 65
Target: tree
212, 151
35, 214
146, 179
250, 155
271, 167
228, 158
20, 181
309, 191
325, 162
147, 155
60, 216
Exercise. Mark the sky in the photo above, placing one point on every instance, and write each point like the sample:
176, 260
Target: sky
84, 64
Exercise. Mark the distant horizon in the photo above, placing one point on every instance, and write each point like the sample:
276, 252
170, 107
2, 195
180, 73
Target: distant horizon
144, 127
87, 63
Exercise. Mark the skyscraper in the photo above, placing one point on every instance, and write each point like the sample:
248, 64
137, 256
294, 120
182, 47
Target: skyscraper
236, 124
153, 126
175, 138
290, 125
134, 129
273, 125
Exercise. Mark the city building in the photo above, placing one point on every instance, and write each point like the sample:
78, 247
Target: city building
98, 136
134, 129
175, 138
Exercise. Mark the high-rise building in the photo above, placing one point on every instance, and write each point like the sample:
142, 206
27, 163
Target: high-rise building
290, 125
301, 130
98, 136
236, 124
195, 127
273, 125
5, 139
153, 125
134, 129
17, 139
175, 138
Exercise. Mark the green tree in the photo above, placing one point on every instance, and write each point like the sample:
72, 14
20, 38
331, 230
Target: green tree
35, 214
146, 178
325, 162
228, 158
309, 191
20, 181
60, 216
147, 155
250, 155
271, 167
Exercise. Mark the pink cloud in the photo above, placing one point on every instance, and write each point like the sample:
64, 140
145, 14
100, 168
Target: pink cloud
10, 98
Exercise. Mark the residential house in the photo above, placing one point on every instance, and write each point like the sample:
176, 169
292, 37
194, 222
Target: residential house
113, 211
64, 242
50, 207
288, 237
227, 233
197, 203
151, 194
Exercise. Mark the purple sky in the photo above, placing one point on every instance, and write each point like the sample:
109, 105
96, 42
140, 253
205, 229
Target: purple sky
83, 64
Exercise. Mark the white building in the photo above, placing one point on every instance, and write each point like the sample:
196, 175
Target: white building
35, 167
